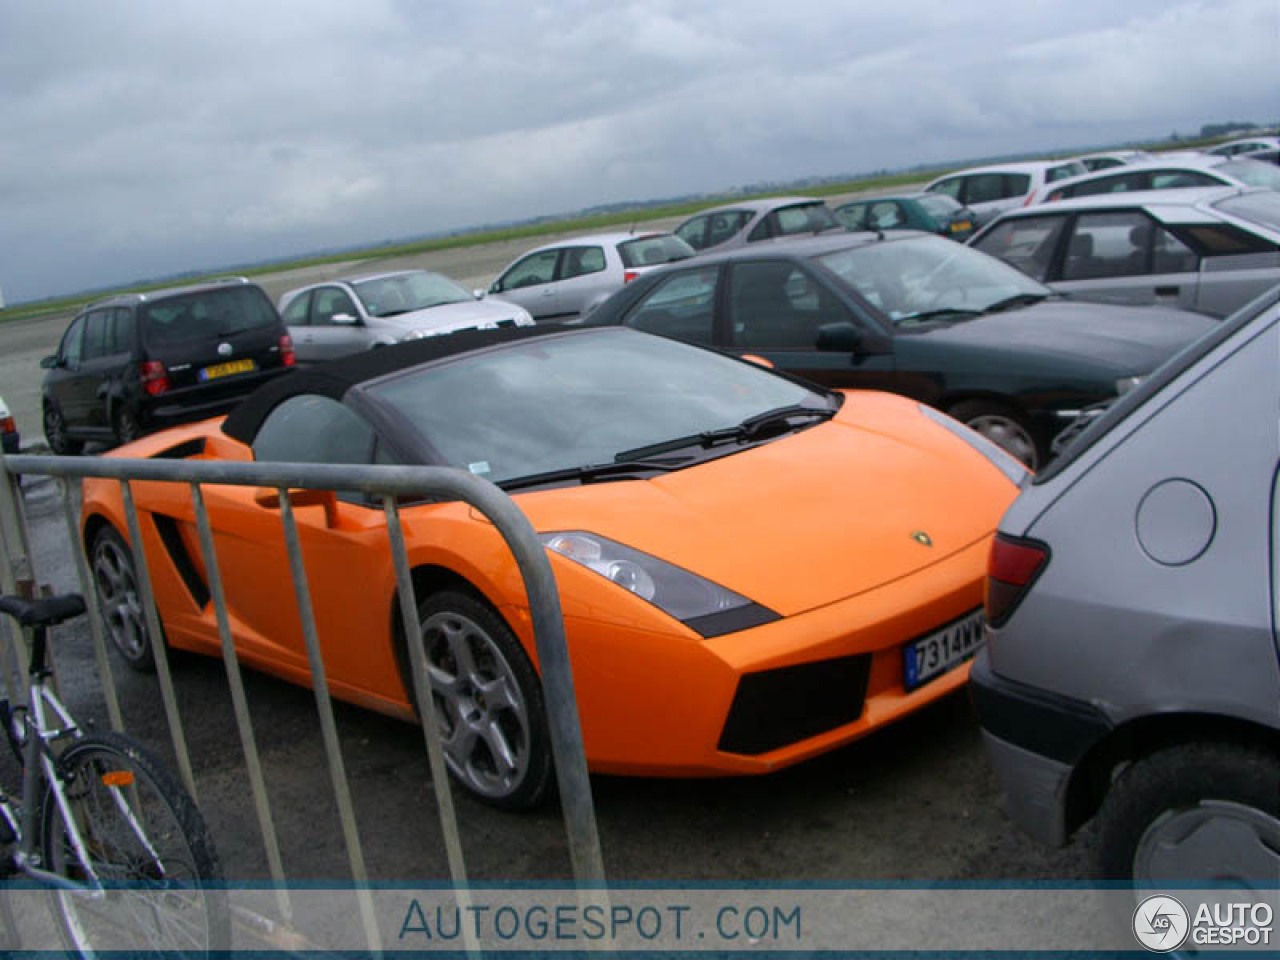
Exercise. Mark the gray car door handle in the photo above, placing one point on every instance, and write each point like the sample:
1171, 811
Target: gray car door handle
1167, 291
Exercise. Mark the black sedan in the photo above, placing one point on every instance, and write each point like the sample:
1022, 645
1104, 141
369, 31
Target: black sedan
915, 315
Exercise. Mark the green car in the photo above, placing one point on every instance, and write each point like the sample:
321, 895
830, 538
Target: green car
931, 212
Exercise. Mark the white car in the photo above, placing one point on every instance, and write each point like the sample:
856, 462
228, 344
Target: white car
1234, 148
340, 317
1168, 173
1206, 249
570, 278
989, 191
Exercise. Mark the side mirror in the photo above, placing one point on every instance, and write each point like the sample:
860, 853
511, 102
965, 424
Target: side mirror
344, 319
841, 337
48, 363
269, 499
478, 293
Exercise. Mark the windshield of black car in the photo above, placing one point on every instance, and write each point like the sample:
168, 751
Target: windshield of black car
1262, 208
207, 314
559, 402
405, 292
914, 276
652, 251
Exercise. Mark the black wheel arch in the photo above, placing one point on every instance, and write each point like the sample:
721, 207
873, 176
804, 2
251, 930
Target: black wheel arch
1093, 775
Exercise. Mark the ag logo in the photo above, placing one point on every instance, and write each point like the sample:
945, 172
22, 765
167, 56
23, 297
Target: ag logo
1160, 923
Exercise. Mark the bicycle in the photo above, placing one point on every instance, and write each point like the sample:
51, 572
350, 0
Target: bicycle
102, 824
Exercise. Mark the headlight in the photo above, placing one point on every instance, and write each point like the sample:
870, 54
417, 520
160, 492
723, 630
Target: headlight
524, 319
707, 607
1125, 384
1013, 468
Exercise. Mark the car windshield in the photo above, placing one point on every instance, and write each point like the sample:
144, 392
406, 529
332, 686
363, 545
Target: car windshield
405, 292
651, 251
560, 402
206, 314
929, 276
1262, 208
1253, 172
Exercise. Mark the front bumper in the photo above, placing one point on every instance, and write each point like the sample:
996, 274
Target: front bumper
769, 696
1034, 739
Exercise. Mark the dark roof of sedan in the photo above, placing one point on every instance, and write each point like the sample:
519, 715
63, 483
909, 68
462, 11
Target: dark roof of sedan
335, 378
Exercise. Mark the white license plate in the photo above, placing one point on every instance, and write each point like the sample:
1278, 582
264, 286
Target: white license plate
934, 655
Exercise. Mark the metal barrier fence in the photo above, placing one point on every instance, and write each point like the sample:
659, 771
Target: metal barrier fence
18, 575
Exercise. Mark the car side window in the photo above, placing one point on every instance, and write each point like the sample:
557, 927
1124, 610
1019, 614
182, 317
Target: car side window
313, 429
1175, 179
764, 229
950, 187
534, 269
96, 332
69, 351
580, 261
853, 215
886, 215
985, 188
722, 226
295, 315
123, 329
693, 232
777, 306
329, 301
1027, 243
1122, 244
681, 306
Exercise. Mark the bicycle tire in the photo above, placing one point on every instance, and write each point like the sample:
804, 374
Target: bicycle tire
166, 894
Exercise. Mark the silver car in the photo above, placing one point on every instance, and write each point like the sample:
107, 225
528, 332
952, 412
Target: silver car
1208, 249
989, 191
340, 317
1130, 674
752, 221
1170, 172
568, 279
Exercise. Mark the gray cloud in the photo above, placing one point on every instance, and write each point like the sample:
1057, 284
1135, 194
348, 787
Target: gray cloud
141, 138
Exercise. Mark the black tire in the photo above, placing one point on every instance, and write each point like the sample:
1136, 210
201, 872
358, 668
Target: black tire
1199, 808
115, 577
125, 425
55, 431
488, 701
166, 894
1002, 425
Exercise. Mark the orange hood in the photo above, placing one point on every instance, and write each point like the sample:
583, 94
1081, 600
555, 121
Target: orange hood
808, 519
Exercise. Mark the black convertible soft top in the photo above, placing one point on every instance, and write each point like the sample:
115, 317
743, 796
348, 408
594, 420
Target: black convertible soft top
335, 378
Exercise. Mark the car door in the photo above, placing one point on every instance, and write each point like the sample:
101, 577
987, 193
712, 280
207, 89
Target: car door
66, 384
1235, 265
99, 369
583, 277
349, 570
334, 328
1127, 256
778, 310
530, 282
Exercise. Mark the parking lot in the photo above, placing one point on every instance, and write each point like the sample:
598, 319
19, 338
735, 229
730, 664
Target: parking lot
914, 802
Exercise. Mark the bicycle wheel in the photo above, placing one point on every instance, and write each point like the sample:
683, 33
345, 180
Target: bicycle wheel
148, 846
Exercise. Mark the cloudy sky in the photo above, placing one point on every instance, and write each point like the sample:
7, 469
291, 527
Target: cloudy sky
141, 138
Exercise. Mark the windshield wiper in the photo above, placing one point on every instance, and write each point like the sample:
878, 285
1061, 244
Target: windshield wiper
752, 428
922, 315
597, 471
1017, 300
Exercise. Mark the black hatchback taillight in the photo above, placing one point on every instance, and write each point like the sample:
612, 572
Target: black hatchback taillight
1014, 565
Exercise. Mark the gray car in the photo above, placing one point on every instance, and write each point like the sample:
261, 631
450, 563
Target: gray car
1208, 249
1168, 172
989, 191
341, 317
570, 278
1130, 673
752, 221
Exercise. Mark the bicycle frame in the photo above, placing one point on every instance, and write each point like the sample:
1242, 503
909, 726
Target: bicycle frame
40, 767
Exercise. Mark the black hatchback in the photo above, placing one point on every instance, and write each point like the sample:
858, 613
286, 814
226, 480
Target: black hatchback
140, 362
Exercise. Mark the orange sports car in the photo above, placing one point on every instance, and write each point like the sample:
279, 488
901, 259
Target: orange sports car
753, 570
